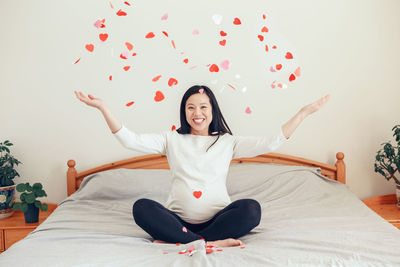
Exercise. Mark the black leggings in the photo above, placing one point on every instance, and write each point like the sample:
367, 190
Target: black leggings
234, 221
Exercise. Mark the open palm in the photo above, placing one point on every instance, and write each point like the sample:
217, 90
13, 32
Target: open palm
313, 107
89, 100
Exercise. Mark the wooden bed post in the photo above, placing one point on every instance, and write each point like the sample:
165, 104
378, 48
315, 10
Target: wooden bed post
341, 168
71, 177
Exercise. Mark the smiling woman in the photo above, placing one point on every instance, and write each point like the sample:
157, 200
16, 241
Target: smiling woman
199, 154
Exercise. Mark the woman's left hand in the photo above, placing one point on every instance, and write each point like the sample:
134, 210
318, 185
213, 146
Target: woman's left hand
313, 107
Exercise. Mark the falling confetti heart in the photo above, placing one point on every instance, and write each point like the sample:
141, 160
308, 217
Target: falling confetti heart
124, 55
172, 82
126, 68
266, 48
261, 38
264, 29
272, 69
89, 47
225, 64
289, 55
186, 60
297, 72
264, 16
121, 13
127, 3
156, 78
129, 46
164, 17
130, 103
77, 60
159, 96
222, 33
248, 110
110, 77
217, 19
292, 77
165, 33
103, 36
237, 21
201, 90
195, 31
197, 194
184, 229
99, 23
173, 127
223, 42
150, 35
278, 66
214, 68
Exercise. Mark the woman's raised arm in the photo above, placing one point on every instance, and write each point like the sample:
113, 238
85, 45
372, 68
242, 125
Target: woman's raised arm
112, 121
289, 127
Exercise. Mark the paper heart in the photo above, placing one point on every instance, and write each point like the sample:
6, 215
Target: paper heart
297, 72
110, 78
274, 47
217, 19
264, 29
172, 82
272, 69
225, 64
195, 31
264, 16
89, 47
77, 60
159, 96
186, 60
273, 85
173, 44
124, 55
292, 77
134, 54
261, 37
266, 48
164, 17
156, 78
184, 229
173, 127
127, 3
126, 68
223, 42
121, 13
289, 55
150, 35
237, 21
99, 24
130, 103
165, 33
278, 66
222, 33
197, 194
201, 90
103, 36
279, 85
129, 46
248, 111
214, 68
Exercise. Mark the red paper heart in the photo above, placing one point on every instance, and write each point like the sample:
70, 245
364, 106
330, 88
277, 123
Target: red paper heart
264, 29
150, 35
130, 103
289, 55
292, 77
172, 82
173, 127
237, 21
159, 96
173, 44
214, 68
110, 78
103, 36
127, 3
129, 46
223, 42
264, 16
165, 33
197, 194
278, 66
126, 68
222, 33
186, 60
77, 60
156, 78
274, 47
89, 47
121, 13
266, 48
261, 37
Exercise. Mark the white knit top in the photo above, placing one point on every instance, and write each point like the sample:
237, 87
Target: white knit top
198, 188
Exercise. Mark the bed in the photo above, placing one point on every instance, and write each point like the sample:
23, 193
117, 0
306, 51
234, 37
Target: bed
309, 218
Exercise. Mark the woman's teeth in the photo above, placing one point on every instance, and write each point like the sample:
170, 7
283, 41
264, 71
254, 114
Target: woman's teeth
198, 121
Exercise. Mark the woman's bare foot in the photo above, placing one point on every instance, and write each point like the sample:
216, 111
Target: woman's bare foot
161, 242
229, 242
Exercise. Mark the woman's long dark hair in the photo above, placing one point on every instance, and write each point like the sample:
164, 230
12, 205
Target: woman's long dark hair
218, 125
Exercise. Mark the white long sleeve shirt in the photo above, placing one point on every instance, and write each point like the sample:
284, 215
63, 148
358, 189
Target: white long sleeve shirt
198, 188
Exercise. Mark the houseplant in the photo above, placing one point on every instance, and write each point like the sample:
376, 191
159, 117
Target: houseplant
388, 161
29, 205
7, 175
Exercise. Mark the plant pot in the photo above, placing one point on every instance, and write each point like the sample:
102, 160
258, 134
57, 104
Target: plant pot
6, 195
398, 194
32, 214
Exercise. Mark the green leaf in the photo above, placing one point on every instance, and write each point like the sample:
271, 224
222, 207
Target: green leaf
37, 186
44, 207
30, 198
21, 187
38, 204
17, 206
24, 207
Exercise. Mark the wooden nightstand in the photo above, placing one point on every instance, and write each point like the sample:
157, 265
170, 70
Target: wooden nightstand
14, 228
386, 207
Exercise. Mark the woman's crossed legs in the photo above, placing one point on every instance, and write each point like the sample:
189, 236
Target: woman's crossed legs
235, 220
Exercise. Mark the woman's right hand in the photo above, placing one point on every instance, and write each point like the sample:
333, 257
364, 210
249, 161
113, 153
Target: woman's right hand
90, 100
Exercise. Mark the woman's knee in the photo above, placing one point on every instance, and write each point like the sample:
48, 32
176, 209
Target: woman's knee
252, 209
141, 206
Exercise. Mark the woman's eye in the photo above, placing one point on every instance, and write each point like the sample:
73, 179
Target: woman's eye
204, 107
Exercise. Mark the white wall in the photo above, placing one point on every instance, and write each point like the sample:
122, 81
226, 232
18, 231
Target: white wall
346, 48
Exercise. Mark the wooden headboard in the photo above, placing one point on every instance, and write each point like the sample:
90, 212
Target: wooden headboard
157, 161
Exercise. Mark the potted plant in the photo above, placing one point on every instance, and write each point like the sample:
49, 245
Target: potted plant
7, 175
29, 205
388, 161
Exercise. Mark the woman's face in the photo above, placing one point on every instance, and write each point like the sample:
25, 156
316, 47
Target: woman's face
199, 113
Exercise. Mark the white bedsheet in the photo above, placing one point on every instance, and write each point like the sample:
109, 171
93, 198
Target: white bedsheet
307, 220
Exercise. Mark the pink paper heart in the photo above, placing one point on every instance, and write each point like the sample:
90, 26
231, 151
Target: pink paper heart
225, 64
184, 229
201, 90
195, 31
248, 110
272, 69
165, 16
297, 72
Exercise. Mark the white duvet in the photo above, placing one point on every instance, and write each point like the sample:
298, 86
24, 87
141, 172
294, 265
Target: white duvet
307, 220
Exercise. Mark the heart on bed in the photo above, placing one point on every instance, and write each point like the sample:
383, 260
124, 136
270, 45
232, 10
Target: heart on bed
197, 194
